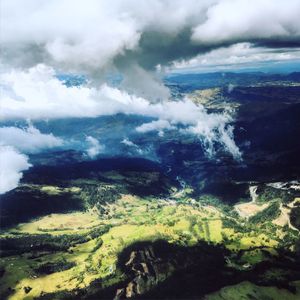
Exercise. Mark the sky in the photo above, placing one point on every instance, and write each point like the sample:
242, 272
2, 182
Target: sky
140, 40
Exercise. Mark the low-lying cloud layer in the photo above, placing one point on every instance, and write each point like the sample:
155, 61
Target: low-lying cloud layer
38, 94
28, 140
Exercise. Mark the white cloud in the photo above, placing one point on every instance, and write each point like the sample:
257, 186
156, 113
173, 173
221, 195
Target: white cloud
133, 37
38, 94
70, 32
127, 142
94, 147
211, 129
92, 34
15, 140
28, 140
12, 163
96, 36
215, 130
89, 33
158, 125
246, 20
236, 55
131, 144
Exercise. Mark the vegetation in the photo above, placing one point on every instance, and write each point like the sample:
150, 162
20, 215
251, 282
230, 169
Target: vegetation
268, 214
267, 193
64, 254
295, 216
247, 290
52, 267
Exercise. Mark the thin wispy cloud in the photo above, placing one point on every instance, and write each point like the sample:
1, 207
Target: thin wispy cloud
236, 56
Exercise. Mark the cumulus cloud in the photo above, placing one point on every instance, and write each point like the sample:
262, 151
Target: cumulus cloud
94, 147
28, 140
12, 163
92, 34
134, 38
70, 32
37, 94
249, 20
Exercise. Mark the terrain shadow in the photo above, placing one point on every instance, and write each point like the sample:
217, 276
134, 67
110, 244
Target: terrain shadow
160, 270
135, 176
